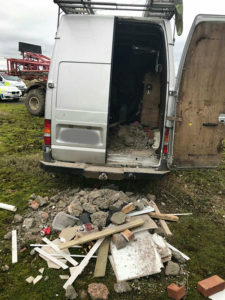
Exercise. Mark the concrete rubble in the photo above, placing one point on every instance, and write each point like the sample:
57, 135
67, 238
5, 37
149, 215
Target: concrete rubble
76, 214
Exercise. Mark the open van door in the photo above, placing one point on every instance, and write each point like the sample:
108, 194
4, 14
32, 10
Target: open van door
200, 131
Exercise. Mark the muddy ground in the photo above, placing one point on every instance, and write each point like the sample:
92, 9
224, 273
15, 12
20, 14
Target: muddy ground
200, 236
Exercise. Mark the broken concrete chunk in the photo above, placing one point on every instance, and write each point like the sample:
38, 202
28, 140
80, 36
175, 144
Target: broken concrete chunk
28, 223
122, 287
8, 235
36, 279
34, 205
172, 269
90, 208
17, 218
118, 218
119, 241
83, 295
139, 205
30, 279
75, 208
94, 195
98, 291
33, 196
42, 201
99, 218
70, 292
151, 197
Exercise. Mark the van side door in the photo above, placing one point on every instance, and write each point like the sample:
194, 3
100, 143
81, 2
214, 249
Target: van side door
199, 130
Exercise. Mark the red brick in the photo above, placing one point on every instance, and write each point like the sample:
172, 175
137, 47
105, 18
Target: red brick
176, 292
128, 235
211, 285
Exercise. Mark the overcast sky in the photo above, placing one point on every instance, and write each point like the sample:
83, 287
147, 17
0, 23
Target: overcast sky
34, 21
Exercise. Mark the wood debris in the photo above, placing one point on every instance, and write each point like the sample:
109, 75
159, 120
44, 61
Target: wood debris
101, 262
167, 217
36, 279
30, 279
64, 277
14, 247
8, 207
162, 222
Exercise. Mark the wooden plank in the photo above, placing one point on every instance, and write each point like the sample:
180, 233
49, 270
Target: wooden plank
14, 247
63, 254
83, 264
50, 257
162, 222
101, 262
104, 233
128, 208
167, 217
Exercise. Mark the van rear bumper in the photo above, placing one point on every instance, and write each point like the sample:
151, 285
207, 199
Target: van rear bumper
101, 172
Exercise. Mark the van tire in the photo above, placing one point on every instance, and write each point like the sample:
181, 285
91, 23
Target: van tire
35, 101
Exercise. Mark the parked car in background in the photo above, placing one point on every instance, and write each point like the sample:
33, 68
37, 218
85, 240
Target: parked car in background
8, 92
13, 81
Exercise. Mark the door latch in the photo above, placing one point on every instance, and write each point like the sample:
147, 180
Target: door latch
51, 85
222, 118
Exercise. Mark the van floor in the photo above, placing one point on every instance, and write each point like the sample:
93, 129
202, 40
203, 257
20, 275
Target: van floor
131, 145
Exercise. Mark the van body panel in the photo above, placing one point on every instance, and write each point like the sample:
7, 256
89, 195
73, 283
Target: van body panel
198, 135
81, 80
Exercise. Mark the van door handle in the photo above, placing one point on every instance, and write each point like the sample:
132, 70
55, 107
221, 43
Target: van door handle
210, 124
51, 85
222, 118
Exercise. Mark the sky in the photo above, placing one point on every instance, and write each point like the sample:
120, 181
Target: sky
35, 22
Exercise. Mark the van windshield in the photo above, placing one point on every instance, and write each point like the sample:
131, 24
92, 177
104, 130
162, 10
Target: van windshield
11, 78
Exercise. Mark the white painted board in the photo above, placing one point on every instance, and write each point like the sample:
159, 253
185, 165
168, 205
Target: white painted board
218, 296
141, 212
14, 247
138, 259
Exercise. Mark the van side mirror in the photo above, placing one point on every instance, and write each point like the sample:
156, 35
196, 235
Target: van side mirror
0, 78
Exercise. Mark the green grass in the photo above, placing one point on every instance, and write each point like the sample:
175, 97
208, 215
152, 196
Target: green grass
201, 236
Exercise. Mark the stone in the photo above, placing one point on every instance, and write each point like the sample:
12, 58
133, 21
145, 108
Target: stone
151, 197
211, 285
42, 201
178, 257
5, 268
101, 203
34, 205
119, 241
94, 195
75, 208
85, 218
118, 218
44, 215
71, 293
32, 196
139, 205
99, 218
90, 208
83, 294
55, 198
175, 292
98, 291
28, 223
145, 201
17, 218
116, 206
172, 269
122, 287
32, 252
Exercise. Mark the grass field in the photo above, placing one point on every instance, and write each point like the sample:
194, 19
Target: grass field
200, 236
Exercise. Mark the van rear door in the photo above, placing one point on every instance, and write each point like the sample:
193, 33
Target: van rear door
200, 132
82, 63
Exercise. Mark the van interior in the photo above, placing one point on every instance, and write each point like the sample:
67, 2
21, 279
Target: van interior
138, 94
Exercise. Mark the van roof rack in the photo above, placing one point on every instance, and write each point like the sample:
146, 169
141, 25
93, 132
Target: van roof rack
152, 8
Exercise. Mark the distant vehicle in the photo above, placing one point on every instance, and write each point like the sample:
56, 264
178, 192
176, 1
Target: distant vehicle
8, 92
13, 81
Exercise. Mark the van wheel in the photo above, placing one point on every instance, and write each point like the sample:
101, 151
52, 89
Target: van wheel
35, 102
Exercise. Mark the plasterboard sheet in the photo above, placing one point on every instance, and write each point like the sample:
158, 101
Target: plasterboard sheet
138, 259
149, 223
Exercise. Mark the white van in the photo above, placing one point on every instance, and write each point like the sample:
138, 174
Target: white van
113, 109
13, 81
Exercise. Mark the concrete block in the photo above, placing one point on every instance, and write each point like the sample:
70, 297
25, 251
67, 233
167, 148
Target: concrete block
119, 241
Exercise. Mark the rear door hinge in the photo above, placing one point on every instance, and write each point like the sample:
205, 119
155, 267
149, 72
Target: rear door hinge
173, 93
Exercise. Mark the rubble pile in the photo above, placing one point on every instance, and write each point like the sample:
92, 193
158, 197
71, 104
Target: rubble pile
105, 224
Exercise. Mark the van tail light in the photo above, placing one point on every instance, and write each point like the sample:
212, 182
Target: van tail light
47, 132
166, 140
